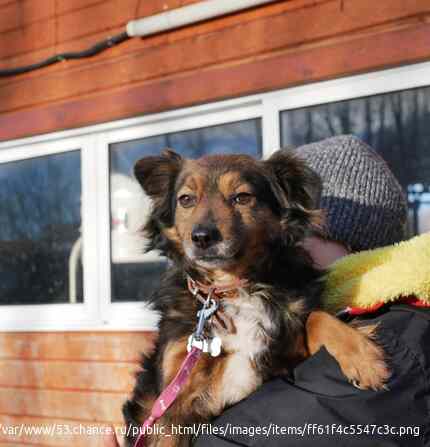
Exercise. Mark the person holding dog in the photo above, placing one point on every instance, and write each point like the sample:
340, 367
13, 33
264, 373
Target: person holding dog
365, 209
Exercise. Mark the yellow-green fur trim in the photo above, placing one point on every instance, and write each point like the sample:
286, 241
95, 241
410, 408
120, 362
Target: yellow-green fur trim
381, 275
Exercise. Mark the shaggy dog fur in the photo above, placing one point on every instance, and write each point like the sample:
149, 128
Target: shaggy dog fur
222, 218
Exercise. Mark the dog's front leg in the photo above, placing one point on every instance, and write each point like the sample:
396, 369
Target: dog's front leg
199, 399
359, 357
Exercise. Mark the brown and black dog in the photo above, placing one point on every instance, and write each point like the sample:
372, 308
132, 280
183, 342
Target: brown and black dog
219, 219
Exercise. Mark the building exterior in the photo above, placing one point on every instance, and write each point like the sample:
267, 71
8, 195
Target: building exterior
73, 279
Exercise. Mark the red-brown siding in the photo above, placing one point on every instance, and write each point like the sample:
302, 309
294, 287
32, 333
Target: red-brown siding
66, 379
305, 40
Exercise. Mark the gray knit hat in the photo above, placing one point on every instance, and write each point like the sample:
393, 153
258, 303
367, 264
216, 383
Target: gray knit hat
364, 203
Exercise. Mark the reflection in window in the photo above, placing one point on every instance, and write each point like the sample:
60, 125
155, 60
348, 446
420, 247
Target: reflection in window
395, 124
419, 207
40, 223
135, 275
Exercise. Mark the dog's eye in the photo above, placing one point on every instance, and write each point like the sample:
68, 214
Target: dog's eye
187, 200
242, 198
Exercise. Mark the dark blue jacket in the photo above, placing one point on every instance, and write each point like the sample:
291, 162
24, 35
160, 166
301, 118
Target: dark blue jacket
317, 407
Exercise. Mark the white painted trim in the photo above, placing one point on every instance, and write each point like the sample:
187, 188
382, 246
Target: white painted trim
271, 126
37, 149
351, 87
103, 221
30, 317
213, 117
51, 319
172, 115
89, 229
97, 312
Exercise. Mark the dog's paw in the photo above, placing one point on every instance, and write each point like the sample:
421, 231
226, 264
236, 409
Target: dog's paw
364, 365
359, 357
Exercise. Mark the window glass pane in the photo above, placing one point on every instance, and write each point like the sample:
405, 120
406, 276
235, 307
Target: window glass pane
395, 124
40, 221
135, 275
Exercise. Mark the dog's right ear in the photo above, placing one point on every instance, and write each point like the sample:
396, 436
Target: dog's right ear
157, 174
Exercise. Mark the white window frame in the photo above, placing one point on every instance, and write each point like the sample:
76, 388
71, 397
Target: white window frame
98, 312
49, 316
198, 117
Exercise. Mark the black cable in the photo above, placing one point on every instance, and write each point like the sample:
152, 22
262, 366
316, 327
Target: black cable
95, 49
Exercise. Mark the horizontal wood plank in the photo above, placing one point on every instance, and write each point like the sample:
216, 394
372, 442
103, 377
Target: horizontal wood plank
53, 432
83, 346
92, 376
65, 6
139, 9
20, 14
99, 17
76, 405
20, 443
29, 38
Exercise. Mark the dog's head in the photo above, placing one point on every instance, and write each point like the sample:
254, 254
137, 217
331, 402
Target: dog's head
226, 212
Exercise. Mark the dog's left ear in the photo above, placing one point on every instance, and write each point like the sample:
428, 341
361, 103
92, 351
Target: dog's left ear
301, 185
298, 190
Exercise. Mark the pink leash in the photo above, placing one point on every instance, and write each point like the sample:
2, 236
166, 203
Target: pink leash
168, 396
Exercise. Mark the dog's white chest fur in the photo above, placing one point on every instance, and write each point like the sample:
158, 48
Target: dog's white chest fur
252, 325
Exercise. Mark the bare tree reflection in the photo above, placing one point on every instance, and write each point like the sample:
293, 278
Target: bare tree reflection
39, 222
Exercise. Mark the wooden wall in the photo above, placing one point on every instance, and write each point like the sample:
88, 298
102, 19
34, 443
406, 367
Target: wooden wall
281, 44
66, 379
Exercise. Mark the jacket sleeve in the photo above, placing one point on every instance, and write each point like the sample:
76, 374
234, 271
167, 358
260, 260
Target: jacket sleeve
319, 407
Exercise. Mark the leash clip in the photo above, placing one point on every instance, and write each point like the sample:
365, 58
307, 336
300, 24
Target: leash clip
210, 306
210, 345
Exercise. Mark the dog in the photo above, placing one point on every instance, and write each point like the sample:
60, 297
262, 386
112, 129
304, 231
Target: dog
230, 219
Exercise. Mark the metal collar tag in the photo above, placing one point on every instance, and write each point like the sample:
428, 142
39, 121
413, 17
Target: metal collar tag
197, 339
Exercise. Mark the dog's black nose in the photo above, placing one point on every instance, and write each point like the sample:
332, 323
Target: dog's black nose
203, 236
